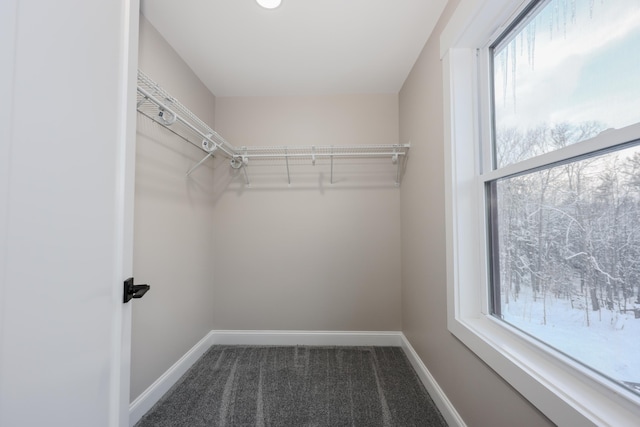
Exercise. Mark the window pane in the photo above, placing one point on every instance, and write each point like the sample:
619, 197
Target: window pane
570, 70
567, 244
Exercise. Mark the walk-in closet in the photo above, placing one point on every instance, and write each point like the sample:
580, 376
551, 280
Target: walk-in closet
222, 212
264, 213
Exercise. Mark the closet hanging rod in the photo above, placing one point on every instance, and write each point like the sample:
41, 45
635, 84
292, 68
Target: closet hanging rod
318, 155
360, 147
154, 102
313, 152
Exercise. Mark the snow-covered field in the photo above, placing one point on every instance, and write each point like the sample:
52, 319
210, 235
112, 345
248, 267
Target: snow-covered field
610, 344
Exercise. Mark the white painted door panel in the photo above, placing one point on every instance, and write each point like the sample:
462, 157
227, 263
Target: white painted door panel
66, 185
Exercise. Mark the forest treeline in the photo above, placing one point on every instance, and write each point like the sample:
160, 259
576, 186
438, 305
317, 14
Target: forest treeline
571, 231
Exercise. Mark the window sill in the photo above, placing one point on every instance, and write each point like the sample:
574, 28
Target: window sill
565, 391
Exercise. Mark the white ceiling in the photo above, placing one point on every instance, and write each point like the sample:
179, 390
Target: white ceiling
304, 47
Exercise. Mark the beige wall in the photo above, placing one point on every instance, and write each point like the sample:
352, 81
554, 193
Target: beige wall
480, 396
173, 225
313, 256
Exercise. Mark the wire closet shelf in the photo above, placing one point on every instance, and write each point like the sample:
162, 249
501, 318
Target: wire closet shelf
158, 105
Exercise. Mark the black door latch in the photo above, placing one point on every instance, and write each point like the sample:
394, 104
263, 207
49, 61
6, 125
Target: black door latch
134, 291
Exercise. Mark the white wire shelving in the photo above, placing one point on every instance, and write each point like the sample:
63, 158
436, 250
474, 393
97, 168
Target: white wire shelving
158, 105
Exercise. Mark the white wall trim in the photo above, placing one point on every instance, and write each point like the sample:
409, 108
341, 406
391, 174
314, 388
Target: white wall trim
330, 338
143, 403
154, 393
451, 416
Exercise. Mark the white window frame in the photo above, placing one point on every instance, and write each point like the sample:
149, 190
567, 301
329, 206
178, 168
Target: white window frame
565, 391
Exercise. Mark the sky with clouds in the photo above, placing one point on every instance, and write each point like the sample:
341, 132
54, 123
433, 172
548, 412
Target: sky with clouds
575, 61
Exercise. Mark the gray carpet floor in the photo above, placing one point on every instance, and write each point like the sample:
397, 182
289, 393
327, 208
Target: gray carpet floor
297, 386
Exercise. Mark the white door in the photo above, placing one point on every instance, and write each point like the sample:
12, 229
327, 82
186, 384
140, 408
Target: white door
67, 131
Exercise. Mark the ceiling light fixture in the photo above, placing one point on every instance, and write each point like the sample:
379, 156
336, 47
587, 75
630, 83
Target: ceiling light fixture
269, 4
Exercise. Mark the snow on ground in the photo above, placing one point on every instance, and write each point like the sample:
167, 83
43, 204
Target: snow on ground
610, 344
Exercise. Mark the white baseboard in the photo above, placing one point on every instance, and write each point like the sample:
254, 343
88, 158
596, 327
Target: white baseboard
443, 403
328, 338
154, 393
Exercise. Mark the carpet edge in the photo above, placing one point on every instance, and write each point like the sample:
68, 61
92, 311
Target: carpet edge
442, 402
143, 403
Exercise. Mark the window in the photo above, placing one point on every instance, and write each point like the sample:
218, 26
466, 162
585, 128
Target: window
543, 199
565, 243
